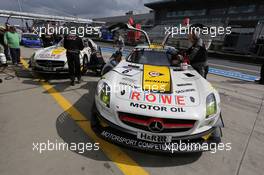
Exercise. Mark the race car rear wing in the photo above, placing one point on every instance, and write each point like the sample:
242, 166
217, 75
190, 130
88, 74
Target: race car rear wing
121, 26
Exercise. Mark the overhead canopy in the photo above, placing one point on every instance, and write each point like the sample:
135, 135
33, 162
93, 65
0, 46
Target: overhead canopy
24, 15
193, 4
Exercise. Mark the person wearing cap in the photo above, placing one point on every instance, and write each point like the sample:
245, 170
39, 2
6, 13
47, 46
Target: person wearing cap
197, 54
113, 61
176, 58
119, 43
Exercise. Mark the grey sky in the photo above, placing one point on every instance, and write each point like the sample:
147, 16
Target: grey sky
81, 8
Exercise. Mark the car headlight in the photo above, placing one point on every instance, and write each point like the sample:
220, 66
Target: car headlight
211, 107
104, 94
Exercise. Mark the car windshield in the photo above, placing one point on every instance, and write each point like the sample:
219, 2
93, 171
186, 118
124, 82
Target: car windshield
31, 37
60, 43
149, 57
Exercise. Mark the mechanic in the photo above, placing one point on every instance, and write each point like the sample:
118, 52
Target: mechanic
176, 60
12, 40
93, 60
73, 44
198, 54
261, 80
113, 61
119, 44
47, 40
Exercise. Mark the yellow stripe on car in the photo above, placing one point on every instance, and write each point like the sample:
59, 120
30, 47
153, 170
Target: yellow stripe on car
156, 46
156, 78
58, 51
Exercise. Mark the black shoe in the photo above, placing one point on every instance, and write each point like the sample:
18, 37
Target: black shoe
259, 82
79, 80
72, 83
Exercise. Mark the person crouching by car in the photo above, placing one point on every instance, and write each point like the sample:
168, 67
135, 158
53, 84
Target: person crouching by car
73, 44
198, 54
12, 40
114, 60
175, 58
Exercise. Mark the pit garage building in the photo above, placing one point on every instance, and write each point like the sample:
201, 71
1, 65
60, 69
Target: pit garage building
245, 17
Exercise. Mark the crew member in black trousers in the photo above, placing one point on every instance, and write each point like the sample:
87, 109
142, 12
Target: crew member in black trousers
73, 44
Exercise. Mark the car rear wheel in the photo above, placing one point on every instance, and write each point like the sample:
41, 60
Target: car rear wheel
85, 63
94, 120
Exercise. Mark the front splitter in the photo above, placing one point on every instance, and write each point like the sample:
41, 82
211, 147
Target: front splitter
194, 143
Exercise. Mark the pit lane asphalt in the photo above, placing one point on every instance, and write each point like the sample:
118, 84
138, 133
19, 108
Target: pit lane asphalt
30, 114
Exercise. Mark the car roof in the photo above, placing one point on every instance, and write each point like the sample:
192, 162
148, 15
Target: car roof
30, 34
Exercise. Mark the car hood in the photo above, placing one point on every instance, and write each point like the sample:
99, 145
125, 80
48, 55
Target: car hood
186, 88
52, 52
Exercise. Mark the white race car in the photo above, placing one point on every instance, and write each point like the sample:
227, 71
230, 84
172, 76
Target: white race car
145, 103
3, 59
53, 59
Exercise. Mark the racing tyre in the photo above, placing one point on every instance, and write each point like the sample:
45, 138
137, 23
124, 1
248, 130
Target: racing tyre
84, 64
94, 119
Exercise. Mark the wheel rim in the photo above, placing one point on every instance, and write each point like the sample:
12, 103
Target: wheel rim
85, 62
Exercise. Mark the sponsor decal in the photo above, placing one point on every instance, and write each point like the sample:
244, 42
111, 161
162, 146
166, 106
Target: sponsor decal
189, 75
156, 107
118, 138
192, 99
154, 138
184, 84
44, 55
157, 81
155, 74
123, 92
160, 78
129, 79
54, 53
152, 142
128, 84
166, 99
184, 91
133, 142
126, 71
